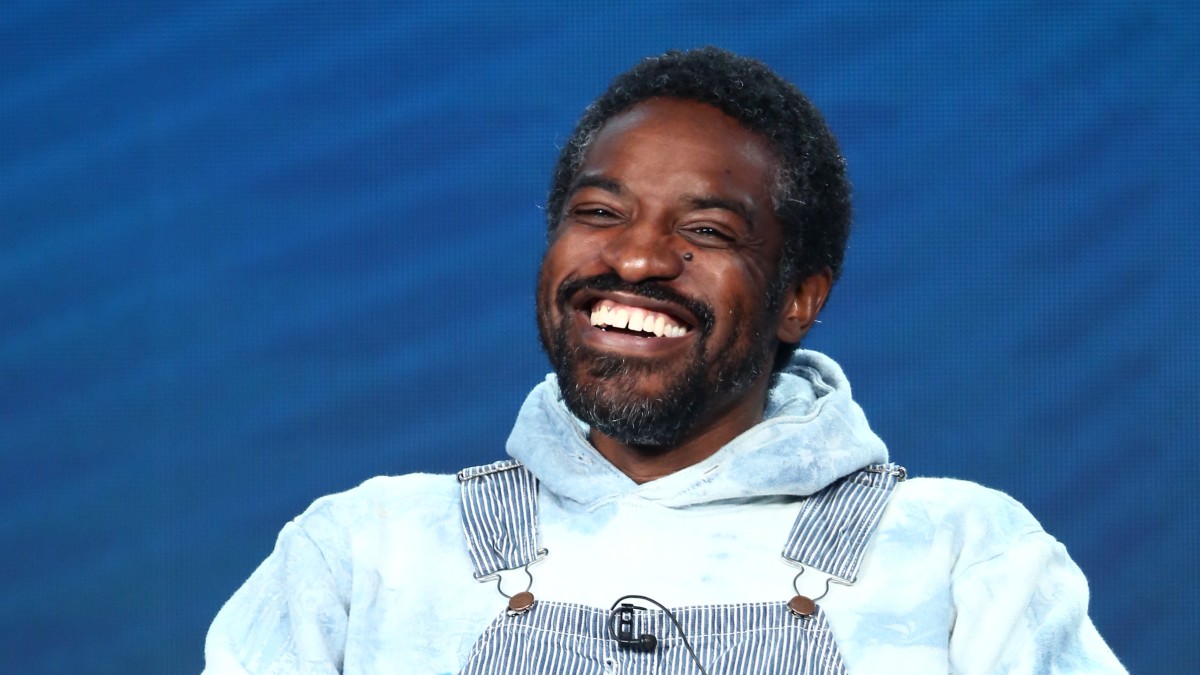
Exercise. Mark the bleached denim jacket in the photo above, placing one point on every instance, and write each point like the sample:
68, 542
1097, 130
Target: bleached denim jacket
956, 579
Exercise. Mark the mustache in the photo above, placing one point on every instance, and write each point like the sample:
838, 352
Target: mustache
651, 290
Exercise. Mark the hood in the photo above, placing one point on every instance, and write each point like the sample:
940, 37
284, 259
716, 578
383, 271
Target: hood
812, 433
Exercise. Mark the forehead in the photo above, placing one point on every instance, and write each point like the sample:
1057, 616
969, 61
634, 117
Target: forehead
668, 135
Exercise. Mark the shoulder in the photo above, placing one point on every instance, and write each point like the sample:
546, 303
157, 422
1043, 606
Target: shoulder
954, 495
973, 521
953, 500
383, 502
381, 494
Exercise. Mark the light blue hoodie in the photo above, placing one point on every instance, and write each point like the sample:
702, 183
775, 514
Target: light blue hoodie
956, 579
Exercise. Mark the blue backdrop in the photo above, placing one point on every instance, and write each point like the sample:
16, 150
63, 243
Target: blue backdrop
253, 252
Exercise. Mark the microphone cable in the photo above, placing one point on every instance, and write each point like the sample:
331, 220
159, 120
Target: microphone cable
670, 615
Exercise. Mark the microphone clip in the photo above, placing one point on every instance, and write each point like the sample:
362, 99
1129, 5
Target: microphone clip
622, 616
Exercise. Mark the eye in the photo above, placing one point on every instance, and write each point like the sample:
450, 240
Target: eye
708, 235
597, 215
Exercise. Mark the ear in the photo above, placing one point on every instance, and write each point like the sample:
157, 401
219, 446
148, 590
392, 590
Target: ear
802, 304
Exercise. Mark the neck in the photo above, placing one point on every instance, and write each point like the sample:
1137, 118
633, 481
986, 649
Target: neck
643, 464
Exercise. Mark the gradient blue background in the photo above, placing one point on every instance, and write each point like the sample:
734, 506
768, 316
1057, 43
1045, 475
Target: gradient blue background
255, 252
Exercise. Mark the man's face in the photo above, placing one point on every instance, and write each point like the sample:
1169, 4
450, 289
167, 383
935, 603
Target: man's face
653, 297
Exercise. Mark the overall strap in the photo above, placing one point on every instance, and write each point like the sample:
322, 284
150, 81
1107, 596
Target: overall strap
835, 524
500, 516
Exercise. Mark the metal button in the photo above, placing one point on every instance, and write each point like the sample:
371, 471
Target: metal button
520, 603
802, 606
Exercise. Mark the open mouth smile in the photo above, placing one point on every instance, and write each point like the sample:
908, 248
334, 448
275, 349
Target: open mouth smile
611, 316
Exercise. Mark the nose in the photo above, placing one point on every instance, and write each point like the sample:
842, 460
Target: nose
640, 251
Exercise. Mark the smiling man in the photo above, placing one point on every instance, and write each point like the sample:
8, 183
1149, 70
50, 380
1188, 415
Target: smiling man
698, 494
661, 303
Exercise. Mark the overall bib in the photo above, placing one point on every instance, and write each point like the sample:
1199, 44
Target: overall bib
500, 521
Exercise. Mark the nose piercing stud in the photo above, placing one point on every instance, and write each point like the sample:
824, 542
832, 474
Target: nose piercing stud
687, 257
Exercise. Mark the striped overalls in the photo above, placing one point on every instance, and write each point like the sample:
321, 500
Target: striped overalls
500, 520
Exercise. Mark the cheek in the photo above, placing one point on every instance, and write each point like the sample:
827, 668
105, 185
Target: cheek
548, 274
557, 266
571, 253
740, 287
545, 290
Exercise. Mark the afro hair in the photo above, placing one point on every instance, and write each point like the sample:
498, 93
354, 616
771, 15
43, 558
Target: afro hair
811, 194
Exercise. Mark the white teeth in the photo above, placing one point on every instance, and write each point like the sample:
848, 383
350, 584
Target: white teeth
606, 315
621, 319
636, 319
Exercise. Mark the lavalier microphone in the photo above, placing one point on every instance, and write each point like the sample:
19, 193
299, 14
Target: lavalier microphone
621, 614
623, 634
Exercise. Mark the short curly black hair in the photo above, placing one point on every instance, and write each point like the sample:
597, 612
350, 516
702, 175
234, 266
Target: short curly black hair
812, 192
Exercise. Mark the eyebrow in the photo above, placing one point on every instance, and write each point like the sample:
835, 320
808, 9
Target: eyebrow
612, 186
595, 181
714, 202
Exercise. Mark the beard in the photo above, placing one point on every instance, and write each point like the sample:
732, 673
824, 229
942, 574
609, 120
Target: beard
605, 390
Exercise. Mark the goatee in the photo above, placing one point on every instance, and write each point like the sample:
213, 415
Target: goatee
602, 389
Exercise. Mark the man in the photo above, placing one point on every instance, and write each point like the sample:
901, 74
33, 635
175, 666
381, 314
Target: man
698, 218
